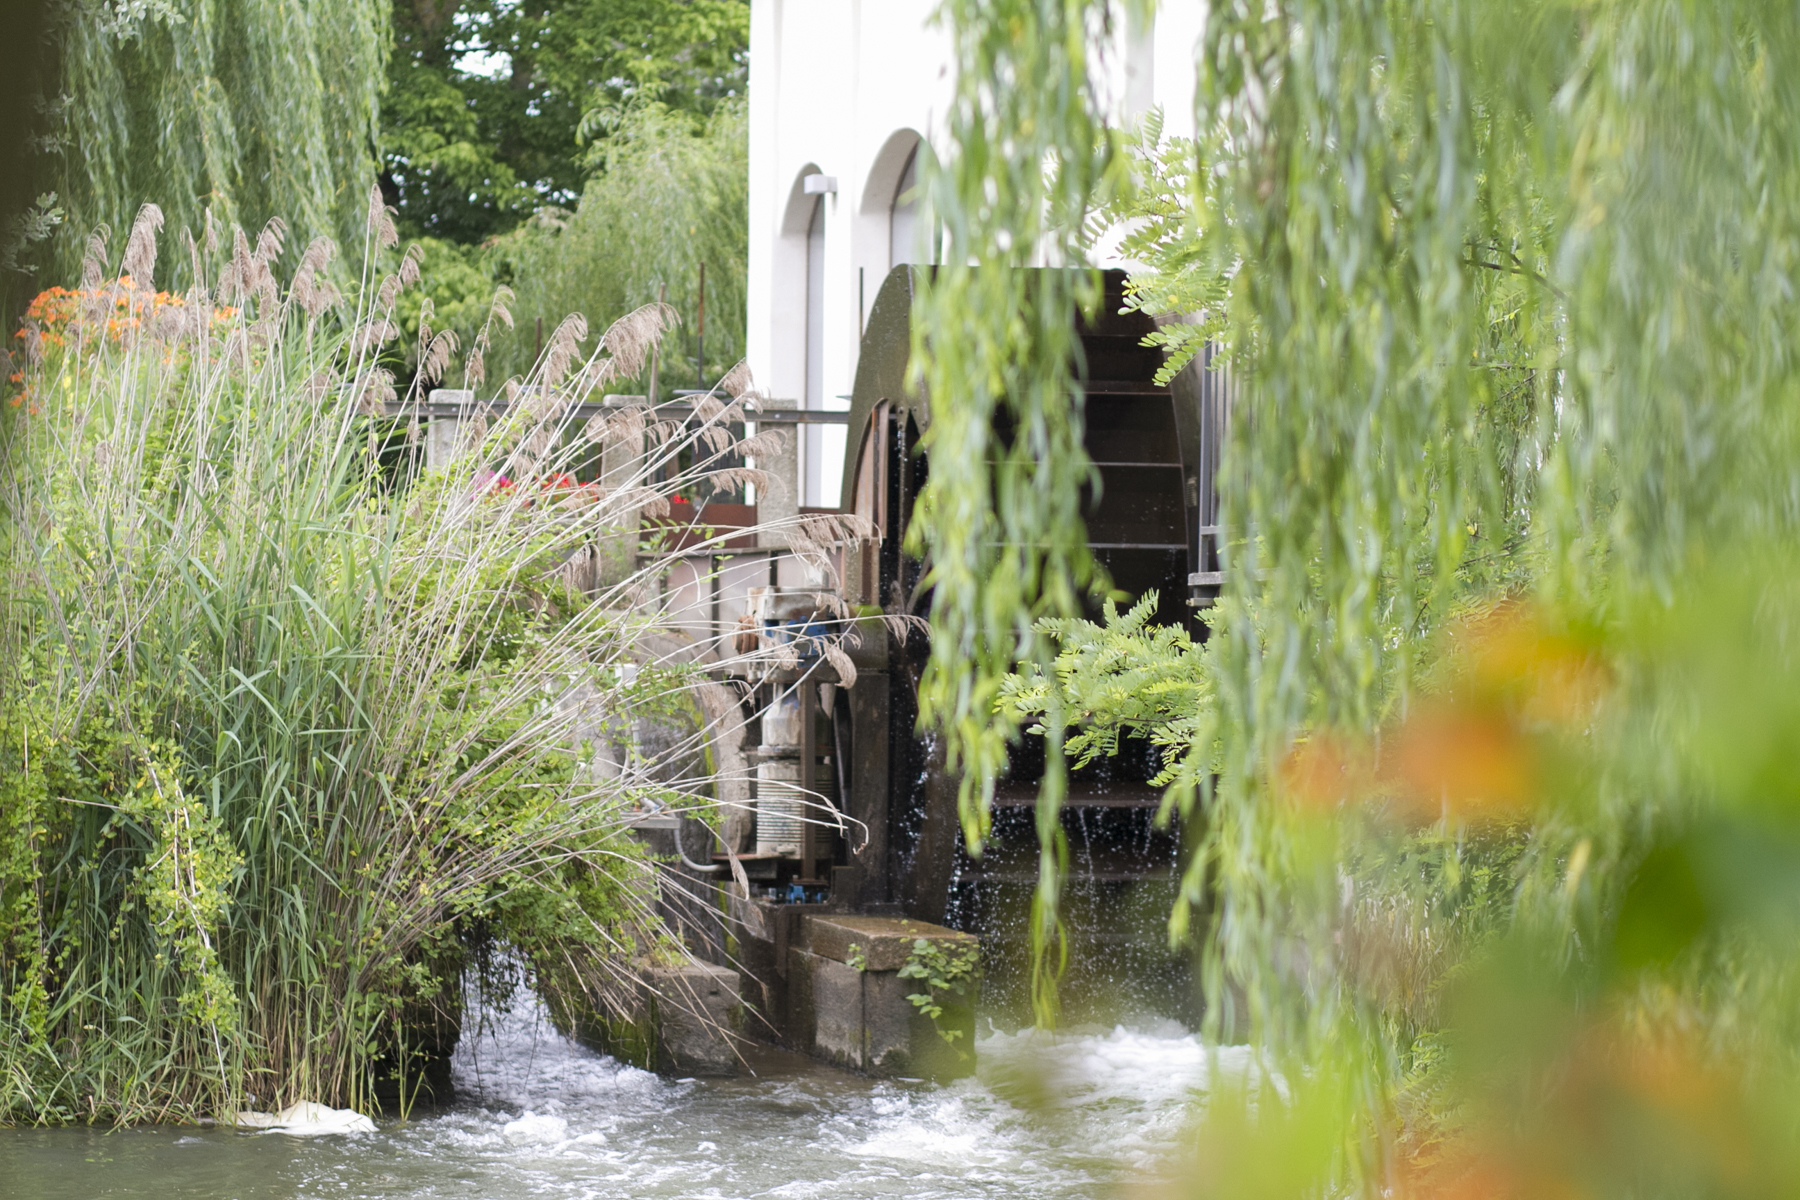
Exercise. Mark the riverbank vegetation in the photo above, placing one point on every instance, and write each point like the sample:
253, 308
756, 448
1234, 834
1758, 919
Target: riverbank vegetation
294, 727
297, 733
1483, 757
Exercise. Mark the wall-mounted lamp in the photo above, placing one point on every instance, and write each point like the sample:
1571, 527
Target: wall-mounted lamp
819, 185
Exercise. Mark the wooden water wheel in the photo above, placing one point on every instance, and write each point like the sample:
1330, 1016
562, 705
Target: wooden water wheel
1150, 528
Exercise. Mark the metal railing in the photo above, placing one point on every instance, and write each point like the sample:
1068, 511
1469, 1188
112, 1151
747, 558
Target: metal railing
679, 408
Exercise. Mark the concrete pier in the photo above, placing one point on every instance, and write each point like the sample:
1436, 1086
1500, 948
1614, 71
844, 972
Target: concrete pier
836, 986
684, 1019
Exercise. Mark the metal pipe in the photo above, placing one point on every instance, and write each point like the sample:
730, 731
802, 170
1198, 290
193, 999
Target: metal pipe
690, 864
587, 408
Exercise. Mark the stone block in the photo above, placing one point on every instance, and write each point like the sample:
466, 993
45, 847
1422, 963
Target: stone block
888, 1023
800, 1013
837, 997
904, 1041
860, 1012
884, 943
828, 984
698, 1018
764, 936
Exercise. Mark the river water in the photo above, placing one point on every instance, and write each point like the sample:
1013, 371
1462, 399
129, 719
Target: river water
1076, 1115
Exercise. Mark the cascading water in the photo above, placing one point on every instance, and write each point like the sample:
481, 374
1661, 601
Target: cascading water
1116, 898
538, 1115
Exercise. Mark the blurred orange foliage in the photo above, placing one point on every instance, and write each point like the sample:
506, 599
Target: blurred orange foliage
1473, 747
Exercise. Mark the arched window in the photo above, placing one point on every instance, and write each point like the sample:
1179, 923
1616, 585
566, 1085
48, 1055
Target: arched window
811, 458
903, 216
815, 305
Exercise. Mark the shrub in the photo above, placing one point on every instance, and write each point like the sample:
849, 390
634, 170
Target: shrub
286, 728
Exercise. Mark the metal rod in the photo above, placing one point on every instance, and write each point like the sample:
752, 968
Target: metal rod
700, 345
771, 552
587, 408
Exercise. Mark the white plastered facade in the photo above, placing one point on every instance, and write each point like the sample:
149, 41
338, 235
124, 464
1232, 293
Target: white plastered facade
846, 89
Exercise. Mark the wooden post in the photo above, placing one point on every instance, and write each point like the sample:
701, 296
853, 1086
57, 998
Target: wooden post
867, 774
809, 777
718, 628
662, 298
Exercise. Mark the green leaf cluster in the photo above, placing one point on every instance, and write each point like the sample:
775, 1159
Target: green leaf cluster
1121, 677
942, 973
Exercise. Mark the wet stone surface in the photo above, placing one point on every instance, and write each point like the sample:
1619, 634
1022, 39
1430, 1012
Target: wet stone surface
881, 943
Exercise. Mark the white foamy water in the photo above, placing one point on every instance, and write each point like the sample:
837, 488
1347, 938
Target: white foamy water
540, 1116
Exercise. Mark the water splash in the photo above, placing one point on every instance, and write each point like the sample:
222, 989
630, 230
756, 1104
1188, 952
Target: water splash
1069, 1115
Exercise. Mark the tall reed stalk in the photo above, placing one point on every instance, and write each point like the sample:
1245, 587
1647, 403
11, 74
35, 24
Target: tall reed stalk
283, 728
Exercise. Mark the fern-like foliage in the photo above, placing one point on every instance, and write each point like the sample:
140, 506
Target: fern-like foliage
1122, 677
1168, 221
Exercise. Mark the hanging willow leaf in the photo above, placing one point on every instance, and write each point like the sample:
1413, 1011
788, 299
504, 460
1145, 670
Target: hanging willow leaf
217, 109
999, 520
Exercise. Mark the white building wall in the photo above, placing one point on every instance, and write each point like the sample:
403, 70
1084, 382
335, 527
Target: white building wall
844, 88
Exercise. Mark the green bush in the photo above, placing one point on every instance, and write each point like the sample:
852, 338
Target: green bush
285, 732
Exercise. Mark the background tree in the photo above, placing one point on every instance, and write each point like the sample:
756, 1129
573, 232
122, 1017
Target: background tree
27, 214
590, 154
490, 101
669, 192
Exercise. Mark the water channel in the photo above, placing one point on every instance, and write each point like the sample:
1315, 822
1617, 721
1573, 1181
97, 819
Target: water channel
539, 1116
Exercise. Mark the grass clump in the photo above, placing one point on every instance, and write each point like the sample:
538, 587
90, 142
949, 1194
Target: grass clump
288, 729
